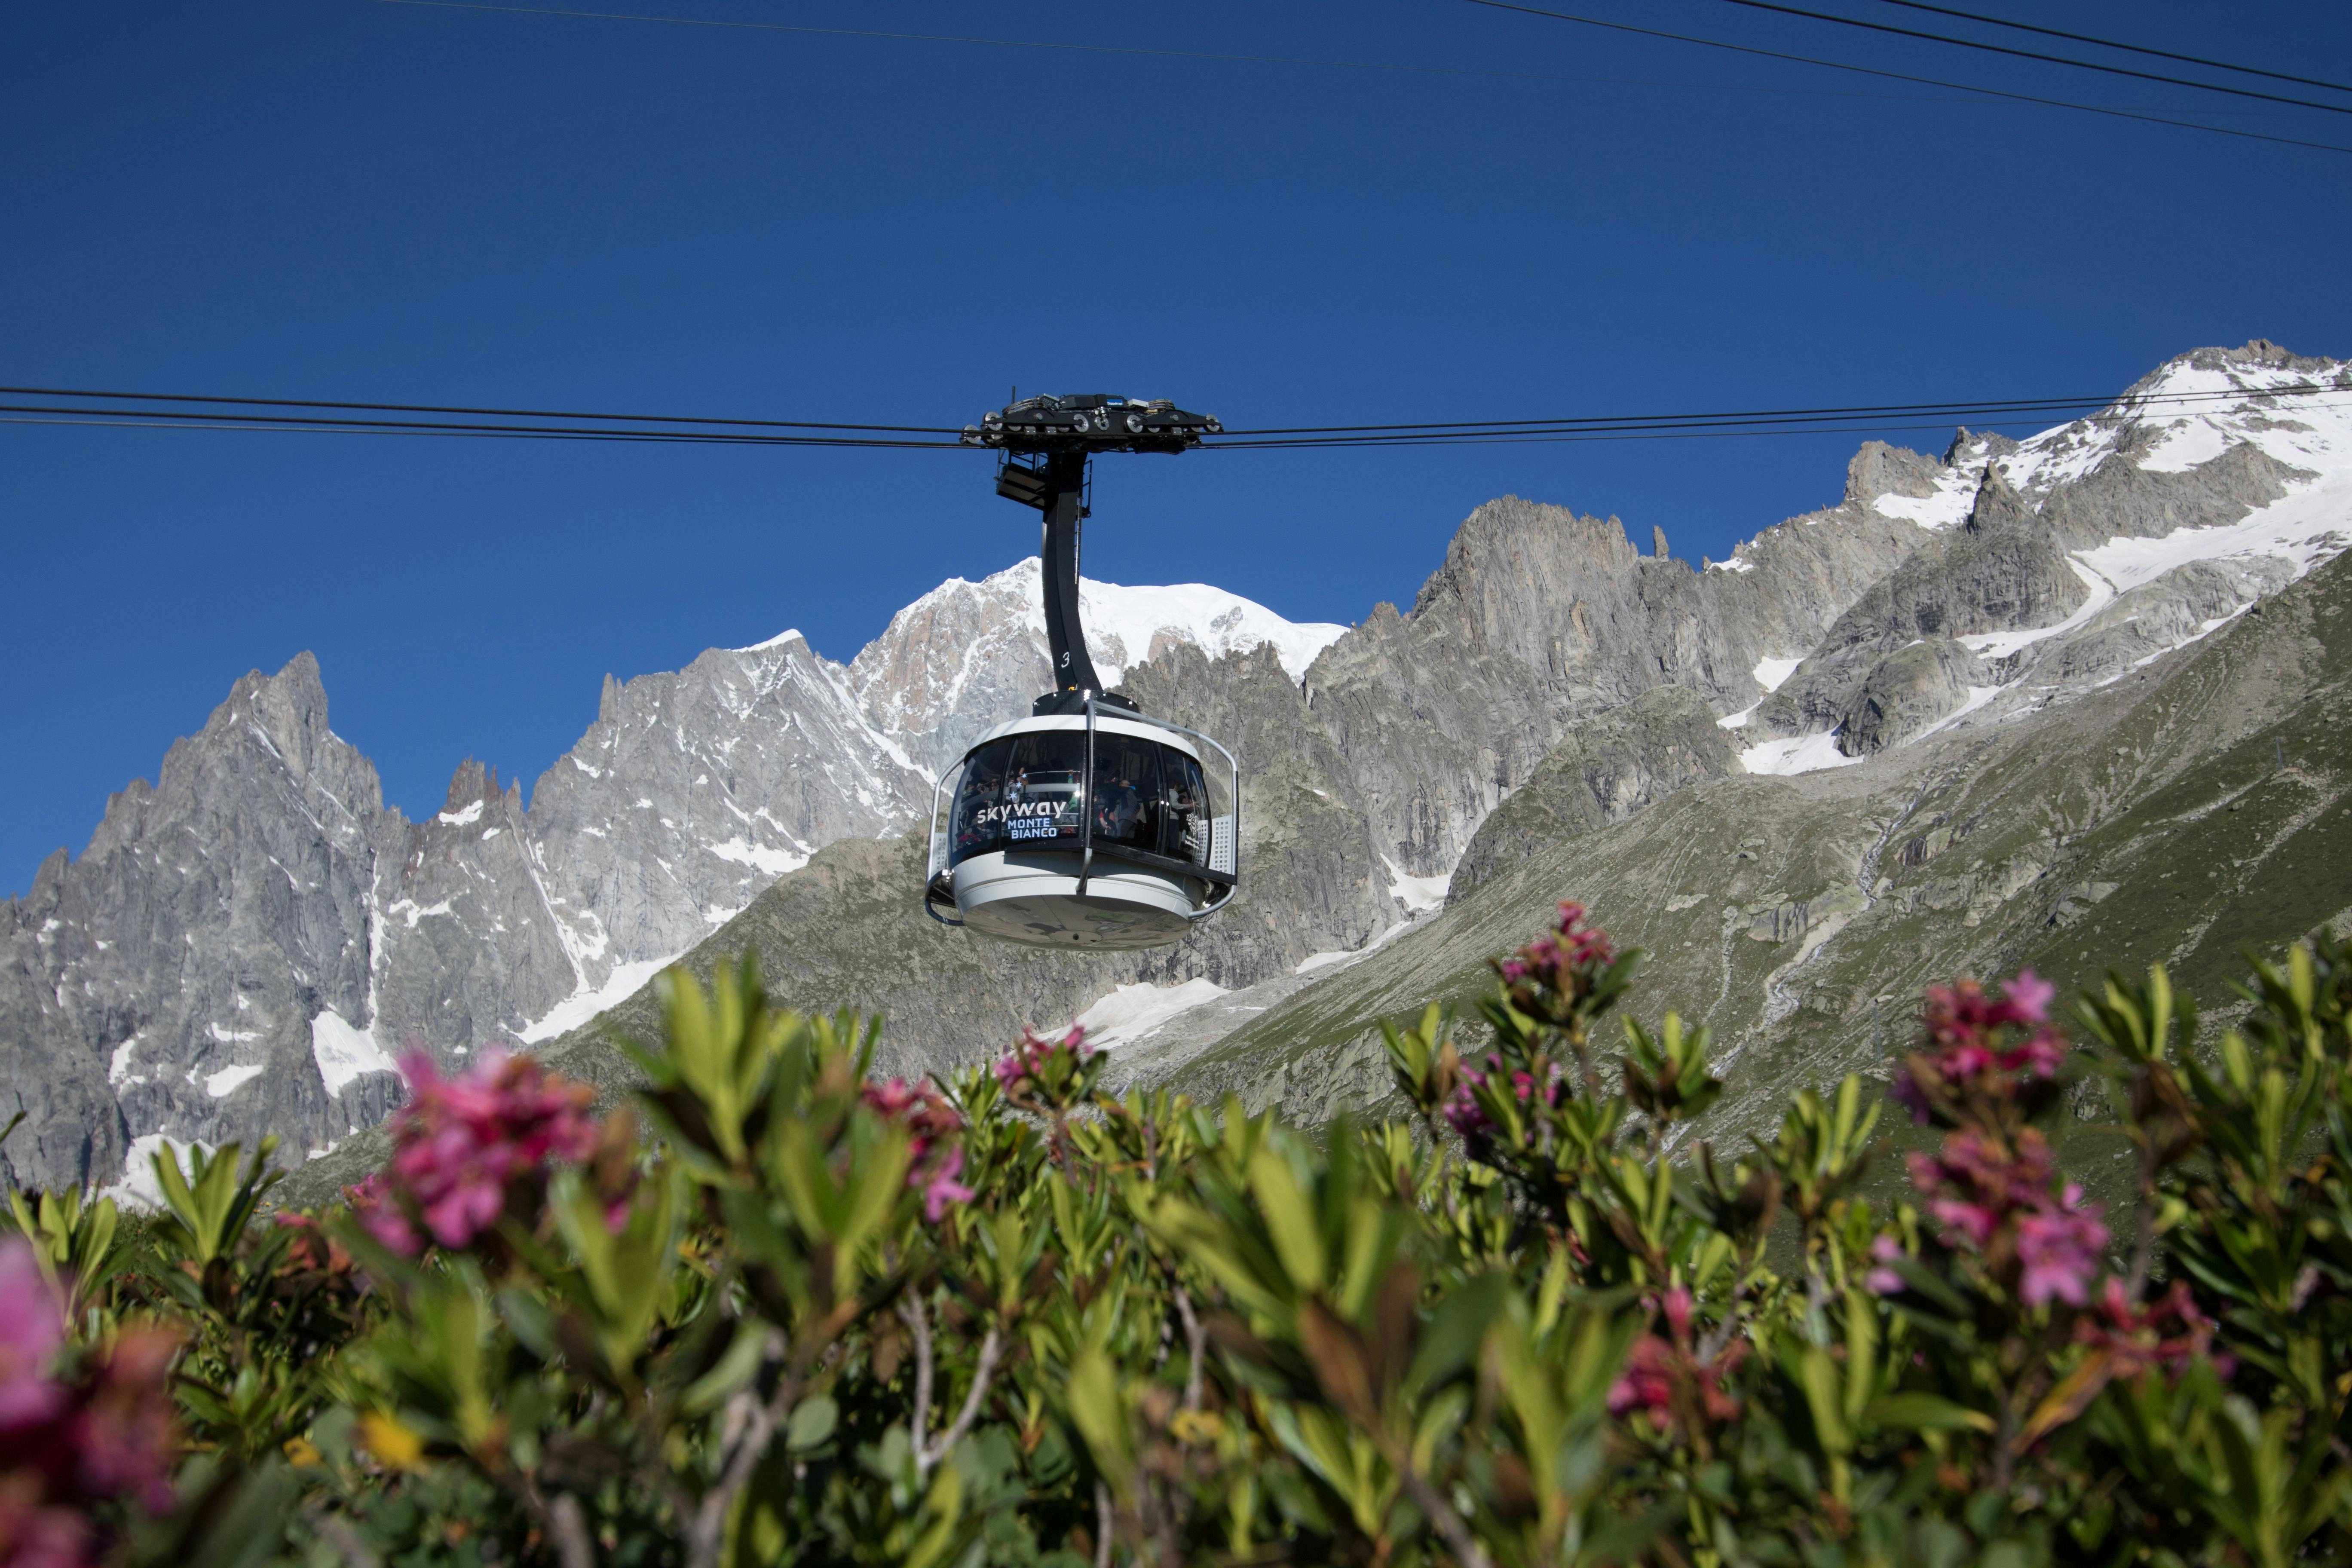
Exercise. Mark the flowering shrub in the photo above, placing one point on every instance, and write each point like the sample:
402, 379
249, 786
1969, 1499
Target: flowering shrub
775, 1309
468, 1149
88, 1439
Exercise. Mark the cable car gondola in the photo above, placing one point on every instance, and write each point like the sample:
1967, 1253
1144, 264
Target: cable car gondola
1089, 824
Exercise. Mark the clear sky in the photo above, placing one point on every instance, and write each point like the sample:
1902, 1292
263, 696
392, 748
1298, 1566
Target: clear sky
372, 199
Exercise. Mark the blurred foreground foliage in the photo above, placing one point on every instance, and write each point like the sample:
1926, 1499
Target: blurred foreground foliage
777, 1311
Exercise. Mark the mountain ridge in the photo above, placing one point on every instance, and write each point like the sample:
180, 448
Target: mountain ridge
1547, 662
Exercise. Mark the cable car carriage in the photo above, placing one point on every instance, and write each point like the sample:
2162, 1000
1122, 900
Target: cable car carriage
1089, 824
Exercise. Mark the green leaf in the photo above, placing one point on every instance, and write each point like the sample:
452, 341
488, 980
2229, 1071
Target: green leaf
813, 1421
1924, 1412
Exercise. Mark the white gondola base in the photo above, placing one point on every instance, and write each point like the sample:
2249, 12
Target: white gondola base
1031, 897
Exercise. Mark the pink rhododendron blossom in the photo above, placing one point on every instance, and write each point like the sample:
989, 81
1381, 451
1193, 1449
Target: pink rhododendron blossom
30, 1335
1656, 1368
2168, 1332
931, 1121
123, 1437
940, 1188
1461, 1110
1551, 976
1886, 1251
65, 1447
2059, 1248
33, 1535
1648, 1381
1038, 1065
1976, 1044
373, 1203
2028, 997
460, 1144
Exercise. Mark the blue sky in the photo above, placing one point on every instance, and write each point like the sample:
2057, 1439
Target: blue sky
370, 200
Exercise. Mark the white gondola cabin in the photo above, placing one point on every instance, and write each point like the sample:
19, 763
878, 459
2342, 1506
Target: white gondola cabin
1100, 829
1089, 824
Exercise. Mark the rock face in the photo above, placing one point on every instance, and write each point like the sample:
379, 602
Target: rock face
2147, 820
1662, 742
170, 976
242, 947
245, 947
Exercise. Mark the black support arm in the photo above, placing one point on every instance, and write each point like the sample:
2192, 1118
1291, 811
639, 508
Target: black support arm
1064, 476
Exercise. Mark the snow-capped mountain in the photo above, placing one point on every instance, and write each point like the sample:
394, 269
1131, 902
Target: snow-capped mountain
244, 945
247, 945
969, 655
2072, 559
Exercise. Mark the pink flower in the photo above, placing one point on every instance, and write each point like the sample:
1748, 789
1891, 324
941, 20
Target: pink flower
2059, 1248
1974, 1221
940, 1188
373, 1204
1051, 1067
930, 1121
124, 1435
1552, 975
461, 1143
1656, 1368
2169, 1332
33, 1536
1887, 1251
30, 1335
2028, 996
1648, 1381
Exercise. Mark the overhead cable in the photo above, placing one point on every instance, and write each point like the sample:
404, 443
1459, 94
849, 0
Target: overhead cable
1980, 92
1066, 46
2033, 55
449, 408
2111, 44
168, 411
1906, 75
2183, 401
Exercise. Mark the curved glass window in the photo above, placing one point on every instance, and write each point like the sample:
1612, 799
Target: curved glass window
1027, 791
1186, 834
1127, 791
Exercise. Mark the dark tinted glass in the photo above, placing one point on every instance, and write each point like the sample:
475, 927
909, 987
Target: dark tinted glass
973, 824
1127, 791
1024, 791
1186, 827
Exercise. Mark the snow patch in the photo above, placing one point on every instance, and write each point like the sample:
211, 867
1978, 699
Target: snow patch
759, 856
226, 1081
344, 1053
1772, 673
139, 1190
625, 981
1948, 508
1131, 1012
472, 814
1416, 893
1978, 696
118, 1068
1799, 754
778, 640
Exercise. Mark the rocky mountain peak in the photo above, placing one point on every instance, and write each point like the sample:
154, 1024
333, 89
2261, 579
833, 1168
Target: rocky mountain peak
243, 945
1879, 469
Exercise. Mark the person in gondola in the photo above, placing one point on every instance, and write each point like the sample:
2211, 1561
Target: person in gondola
976, 818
